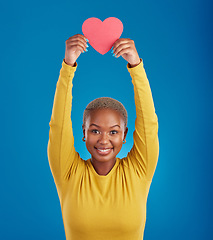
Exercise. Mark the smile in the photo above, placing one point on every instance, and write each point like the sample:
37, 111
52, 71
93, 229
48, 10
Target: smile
103, 151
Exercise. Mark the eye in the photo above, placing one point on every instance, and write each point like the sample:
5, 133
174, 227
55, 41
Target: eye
114, 132
95, 131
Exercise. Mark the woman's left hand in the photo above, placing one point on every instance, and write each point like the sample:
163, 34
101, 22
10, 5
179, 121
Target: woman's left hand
125, 47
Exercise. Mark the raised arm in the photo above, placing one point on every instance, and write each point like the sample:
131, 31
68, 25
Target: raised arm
144, 154
145, 149
61, 152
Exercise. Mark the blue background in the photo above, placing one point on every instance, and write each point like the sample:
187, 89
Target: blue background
174, 39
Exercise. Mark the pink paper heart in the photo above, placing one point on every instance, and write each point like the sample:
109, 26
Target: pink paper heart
102, 35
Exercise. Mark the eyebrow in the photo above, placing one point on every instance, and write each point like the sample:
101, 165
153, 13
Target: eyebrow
93, 124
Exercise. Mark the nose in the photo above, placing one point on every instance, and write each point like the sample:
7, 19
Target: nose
104, 138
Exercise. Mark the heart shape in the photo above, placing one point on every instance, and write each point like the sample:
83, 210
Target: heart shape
102, 35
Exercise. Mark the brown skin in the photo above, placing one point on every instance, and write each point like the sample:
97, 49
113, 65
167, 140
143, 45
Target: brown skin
75, 45
103, 135
124, 47
104, 129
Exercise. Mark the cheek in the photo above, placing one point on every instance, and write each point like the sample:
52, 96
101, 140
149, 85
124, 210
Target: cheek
90, 143
118, 140
91, 139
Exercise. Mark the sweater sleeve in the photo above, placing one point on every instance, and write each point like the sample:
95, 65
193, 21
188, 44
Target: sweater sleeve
145, 151
61, 152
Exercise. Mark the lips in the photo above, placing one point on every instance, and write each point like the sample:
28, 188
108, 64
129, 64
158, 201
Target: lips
103, 151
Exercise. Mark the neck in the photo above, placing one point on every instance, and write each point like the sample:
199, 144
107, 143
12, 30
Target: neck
103, 168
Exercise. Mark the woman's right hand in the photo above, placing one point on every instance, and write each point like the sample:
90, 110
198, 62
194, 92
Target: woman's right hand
75, 45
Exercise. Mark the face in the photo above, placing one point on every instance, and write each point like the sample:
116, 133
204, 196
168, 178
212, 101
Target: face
104, 133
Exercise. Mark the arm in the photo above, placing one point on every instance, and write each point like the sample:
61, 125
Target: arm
143, 156
61, 141
61, 152
145, 149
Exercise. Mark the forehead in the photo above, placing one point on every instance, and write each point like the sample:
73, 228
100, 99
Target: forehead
105, 116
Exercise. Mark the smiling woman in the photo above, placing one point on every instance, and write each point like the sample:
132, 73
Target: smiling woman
104, 130
103, 197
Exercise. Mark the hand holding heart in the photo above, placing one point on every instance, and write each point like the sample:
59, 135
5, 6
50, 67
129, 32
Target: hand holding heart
124, 47
75, 45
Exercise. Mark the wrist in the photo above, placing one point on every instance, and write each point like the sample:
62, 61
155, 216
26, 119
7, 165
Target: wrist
70, 63
135, 63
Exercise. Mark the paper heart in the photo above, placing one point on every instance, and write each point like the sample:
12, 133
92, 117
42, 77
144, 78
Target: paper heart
102, 35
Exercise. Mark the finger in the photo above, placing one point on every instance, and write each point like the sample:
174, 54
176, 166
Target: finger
78, 38
77, 43
80, 48
82, 37
124, 51
75, 48
120, 41
121, 46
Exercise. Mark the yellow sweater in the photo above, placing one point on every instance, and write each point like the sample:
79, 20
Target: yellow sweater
97, 207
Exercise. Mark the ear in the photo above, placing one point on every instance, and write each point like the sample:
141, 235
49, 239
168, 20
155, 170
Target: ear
125, 132
83, 130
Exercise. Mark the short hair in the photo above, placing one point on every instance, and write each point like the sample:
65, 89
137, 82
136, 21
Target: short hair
105, 103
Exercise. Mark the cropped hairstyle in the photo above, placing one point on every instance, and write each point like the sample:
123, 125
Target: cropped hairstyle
105, 103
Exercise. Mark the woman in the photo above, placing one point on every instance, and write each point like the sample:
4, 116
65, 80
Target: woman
103, 198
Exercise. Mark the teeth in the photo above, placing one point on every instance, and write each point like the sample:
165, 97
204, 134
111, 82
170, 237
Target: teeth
103, 150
